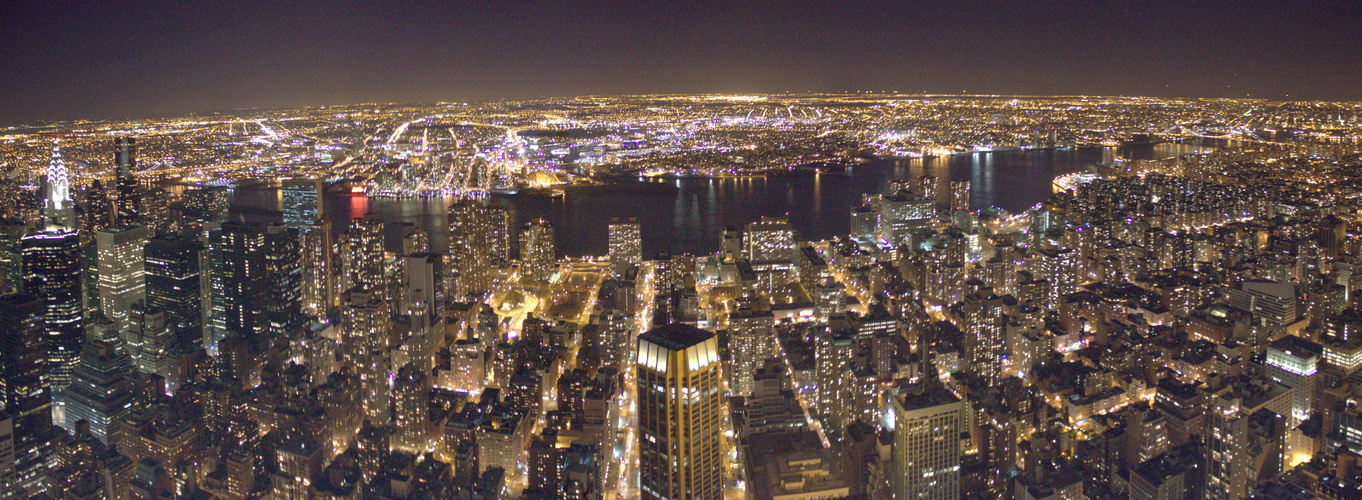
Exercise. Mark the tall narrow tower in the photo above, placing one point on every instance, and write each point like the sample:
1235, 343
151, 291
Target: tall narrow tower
52, 272
58, 211
679, 416
126, 210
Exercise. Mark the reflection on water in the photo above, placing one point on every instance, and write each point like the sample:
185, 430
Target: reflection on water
691, 217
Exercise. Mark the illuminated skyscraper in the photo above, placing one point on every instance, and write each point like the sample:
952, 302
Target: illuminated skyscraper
127, 209
173, 279
1293, 361
364, 255
679, 405
302, 202
927, 425
1227, 449
58, 210
99, 392
901, 214
769, 243
365, 341
122, 275
478, 243
960, 195
537, 257
752, 338
626, 245
411, 410
985, 325
319, 282
52, 273
927, 187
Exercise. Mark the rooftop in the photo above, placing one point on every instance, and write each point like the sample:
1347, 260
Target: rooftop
676, 336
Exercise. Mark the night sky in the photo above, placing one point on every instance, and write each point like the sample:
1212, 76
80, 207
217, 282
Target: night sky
67, 60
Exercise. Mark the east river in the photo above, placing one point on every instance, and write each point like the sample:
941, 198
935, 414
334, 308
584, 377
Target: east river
688, 215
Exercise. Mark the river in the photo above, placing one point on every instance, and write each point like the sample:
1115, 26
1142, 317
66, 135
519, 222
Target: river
689, 214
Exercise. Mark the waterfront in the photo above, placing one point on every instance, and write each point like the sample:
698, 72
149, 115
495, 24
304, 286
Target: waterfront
690, 216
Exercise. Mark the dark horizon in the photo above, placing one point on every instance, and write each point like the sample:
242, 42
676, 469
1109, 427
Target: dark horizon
144, 60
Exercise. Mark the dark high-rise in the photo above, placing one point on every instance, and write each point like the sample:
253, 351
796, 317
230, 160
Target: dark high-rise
95, 214
52, 273
237, 256
129, 194
24, 383
256, 281
26, 389
284, 273
173, 285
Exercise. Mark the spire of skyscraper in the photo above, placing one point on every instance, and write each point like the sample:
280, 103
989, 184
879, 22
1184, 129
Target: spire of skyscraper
58, 209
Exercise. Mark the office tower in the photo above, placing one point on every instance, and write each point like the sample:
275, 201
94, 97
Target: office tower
537, 257
11, 256
960, 195
467, 369
25, 385
415, 239
151, 343
626, 244
99, 392
1293, 361
865, 224
52, 273
156, 213
900, 215
8, 475
239, 286
730, 244
364, 255
927, 187
425, 294
127, 208
679, 414
23, 355
302, 202
769, 243
58, 211
1227, 448
834, 352
365, 330
319, 283
478, 244
985, 324
284, 277
122, 270
546, 465
927, 420
752, 340
1272, 306
95, 212
411, 410
205, 204
173, 279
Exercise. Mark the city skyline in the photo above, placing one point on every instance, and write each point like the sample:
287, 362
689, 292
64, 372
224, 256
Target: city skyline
697, 251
